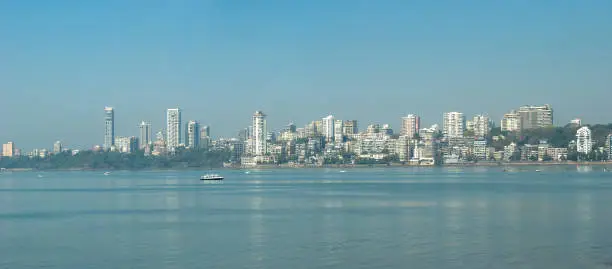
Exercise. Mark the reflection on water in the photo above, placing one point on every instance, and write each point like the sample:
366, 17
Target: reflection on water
368, 218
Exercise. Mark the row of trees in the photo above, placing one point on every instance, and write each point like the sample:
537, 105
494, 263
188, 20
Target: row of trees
120, 161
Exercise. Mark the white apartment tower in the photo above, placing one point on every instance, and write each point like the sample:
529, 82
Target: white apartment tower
146, 134
453, 124
328, 128
480, 125
410, 125
173, 128
258, 136
583, 140
109, 127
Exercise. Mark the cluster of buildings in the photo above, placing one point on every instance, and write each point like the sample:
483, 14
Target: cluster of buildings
166, 141
459, 140
330, 140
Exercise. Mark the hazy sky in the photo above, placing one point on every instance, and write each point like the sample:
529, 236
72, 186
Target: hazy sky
61, 62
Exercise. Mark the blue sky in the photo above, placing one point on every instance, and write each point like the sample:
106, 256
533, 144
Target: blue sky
61, 62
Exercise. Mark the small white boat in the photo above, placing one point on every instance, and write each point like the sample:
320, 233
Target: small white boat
211, 177
247, 172
106, 173
342, 171
538, 170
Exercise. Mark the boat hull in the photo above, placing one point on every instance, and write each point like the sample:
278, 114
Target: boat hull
212, 179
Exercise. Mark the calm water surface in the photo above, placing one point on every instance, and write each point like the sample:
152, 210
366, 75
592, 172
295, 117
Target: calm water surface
361, 218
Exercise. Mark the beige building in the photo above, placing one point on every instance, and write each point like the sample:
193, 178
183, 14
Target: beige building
8, 149
410, 125
511, 122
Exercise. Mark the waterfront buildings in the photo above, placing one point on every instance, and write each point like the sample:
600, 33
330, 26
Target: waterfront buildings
536, 116
193, 134
8, 149
453, 124
109, 127
511, 122
173, 129
410, 125
146, 137
259, 133
480, 150
583, 140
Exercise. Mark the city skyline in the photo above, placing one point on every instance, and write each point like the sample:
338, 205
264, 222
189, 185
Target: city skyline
181, 126
304, 59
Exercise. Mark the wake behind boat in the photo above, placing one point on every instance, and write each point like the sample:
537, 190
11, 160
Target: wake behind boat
211, 177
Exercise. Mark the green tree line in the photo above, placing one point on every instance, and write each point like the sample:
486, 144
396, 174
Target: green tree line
120, 161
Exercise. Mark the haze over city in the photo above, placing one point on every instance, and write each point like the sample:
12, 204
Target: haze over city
373, 61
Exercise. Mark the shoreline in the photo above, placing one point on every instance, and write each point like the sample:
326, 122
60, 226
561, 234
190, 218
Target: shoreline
339, 166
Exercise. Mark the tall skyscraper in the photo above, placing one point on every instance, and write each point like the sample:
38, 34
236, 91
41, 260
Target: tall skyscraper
173, 128
328, 128
259, 134
193, 134
410, 125
536, 116
583, 140
146, 134
109, 129
453, 124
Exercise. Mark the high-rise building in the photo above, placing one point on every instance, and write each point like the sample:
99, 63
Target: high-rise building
350, 128
583, 140
205, 131
8, 149
126, 144
259, 134
57, 147
480, 126
453, 124
328, 128
511, 122
410, 125
109, 129
173, 129
609, 146
193, 134
146, 134
536, 116
338, 128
